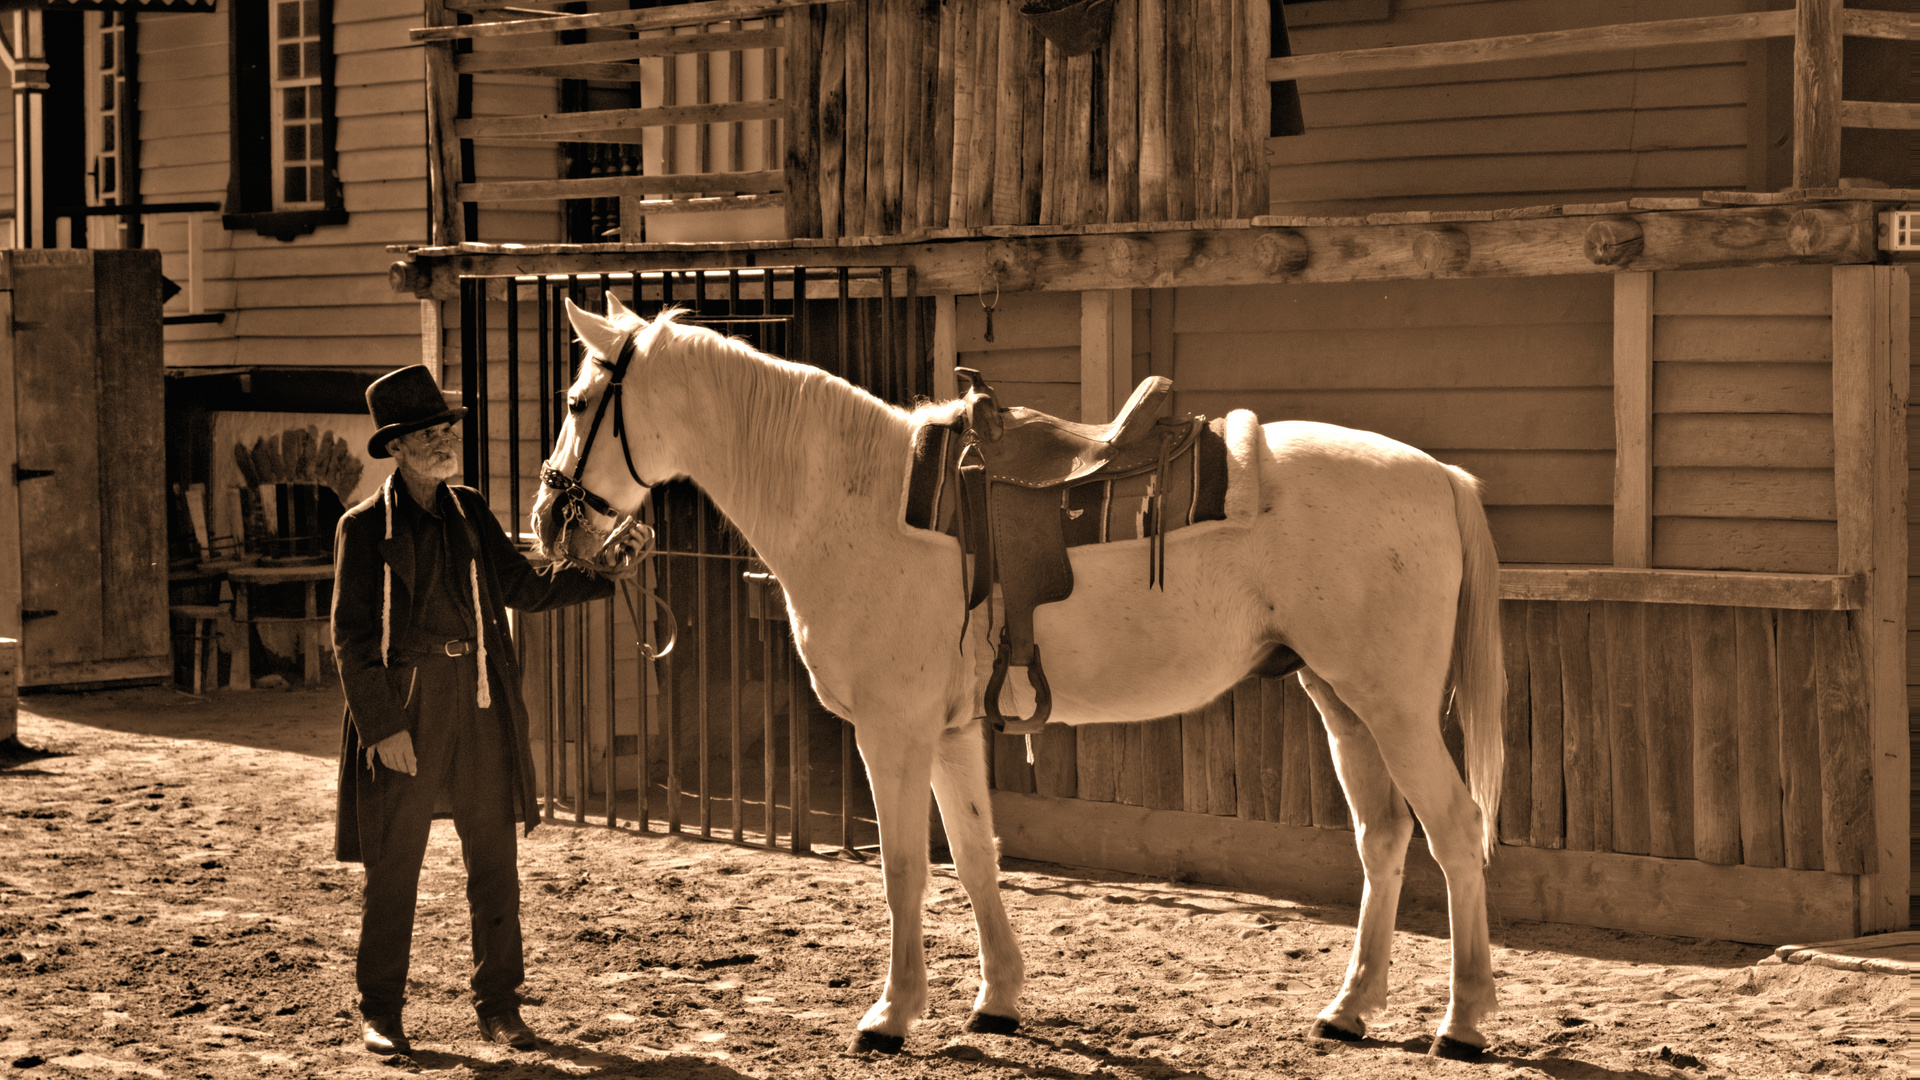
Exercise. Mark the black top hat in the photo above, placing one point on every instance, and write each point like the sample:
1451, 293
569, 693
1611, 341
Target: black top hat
405, 401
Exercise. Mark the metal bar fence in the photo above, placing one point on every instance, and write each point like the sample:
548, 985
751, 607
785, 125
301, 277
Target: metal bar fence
613, 724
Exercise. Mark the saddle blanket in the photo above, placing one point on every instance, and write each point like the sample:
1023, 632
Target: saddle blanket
1214, 479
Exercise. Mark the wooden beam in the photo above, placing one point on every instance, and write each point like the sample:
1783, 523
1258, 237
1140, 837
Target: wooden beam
1880, 115
445, 221
1871, 343
607, 52
699, 14
1887, 25
1633, 420
1622, 892
1725, 588
569, 126
706, 205
1623, 37
606, 187
1035, 259
10, 585
1816, 93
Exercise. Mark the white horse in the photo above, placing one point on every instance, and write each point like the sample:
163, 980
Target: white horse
1368, 558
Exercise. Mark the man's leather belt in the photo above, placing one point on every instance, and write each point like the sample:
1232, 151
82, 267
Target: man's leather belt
437, 647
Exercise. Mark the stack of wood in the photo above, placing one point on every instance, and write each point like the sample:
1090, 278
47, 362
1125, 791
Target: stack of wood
300, 455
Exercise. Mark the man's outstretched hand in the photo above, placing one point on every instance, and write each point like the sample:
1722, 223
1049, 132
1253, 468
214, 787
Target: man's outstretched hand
395, 752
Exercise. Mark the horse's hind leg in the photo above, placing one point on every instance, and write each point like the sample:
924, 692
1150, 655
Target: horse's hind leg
898, 769
1382, 826
960, 784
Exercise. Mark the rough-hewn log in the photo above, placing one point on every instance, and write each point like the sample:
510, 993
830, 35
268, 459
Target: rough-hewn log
1816, 93
1614, 241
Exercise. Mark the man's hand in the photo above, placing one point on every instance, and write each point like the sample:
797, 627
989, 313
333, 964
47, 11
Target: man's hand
395, 752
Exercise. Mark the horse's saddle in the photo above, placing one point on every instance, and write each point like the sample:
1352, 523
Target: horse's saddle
1025, 476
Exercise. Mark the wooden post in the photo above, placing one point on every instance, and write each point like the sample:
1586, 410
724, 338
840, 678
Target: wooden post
1123, 134
833, 121
1153, 110
446, 221
1011, 112
946, 385
1106, 353
11, 653
1633, 419
1871, 347
803, 118
1816, 93
853, 177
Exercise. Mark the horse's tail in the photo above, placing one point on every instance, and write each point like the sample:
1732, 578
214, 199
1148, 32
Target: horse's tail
1479, 671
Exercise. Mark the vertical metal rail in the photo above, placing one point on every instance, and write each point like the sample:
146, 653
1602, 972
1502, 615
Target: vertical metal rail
669, 682
478, 412
470, 298
768, 743
581, 768
799, 755
513, 406
643, 672
701, 696
609, 769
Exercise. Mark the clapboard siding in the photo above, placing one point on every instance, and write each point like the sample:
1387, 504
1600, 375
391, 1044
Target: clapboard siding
1510, 379
321, 299
1573, 129
1034, 357
1743, 445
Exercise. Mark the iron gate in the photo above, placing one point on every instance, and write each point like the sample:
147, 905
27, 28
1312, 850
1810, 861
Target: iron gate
725, 730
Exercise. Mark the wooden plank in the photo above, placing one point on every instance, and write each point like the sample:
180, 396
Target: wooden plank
986, 98
607, 187
602, 52
1620, 37
1742, 387
805, 28
1720, 543
131, 398
1816, 93
693, 14
1880, 115
1799, 741
1222, 756
1077, 138
1846, 775
1056, 761
1757, 738
832, 128
1783, 494
1668, 724
1633, 432
1098, 765
923, 142
1547, 724
1626, 733
1130, 783
1053, 147
1693, 899
1123, 114
1516, 800
1195, 797
1010, 769
1743, 339
1153, 162
1092, 163
1210, 116
1746, 291
446, 221
1033, 140
1596, 763
880, 108
1273, 743
939, 198
854, 167
1296, 778
1160, 745
1182, 128
1251, 195
964, 26
1249, 731
10, 541
580, 126
902, 56
1716, 742
1757, 440
1010, 116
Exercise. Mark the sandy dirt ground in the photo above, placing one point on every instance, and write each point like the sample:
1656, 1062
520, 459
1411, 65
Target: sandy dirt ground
172, 909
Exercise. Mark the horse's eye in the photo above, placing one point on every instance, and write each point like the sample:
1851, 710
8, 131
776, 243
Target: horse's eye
576, 406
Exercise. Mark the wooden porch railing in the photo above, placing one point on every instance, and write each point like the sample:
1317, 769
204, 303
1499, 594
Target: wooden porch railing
1816, 27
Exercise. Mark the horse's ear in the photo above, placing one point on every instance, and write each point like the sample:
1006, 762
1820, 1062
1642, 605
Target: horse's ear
616, 310
595, 333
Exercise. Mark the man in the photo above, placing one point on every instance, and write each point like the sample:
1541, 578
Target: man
435, 723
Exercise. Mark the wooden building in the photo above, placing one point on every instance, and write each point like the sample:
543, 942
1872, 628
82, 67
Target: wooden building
1628, 262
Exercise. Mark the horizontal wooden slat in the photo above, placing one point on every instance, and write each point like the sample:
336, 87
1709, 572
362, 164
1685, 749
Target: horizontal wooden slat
1474, 419
1617, 38
1588, 132
1686, 387
1476, 302
1757, 440
1887, 25
566, 126
1415, 357
1745, 290
1539, 477
606, 187
707, 204
1786, 494
1572, 534
1563, 93
1813, 592
698, 14
1707, 338
1794, 547
1881, 115
603, 52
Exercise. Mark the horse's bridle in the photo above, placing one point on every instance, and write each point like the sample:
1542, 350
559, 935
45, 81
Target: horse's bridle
626, 544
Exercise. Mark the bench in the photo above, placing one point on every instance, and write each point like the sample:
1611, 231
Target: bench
1015, 470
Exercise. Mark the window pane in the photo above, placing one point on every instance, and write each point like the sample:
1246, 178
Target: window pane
107, 128
106, 50
310, 26
312, 50
296, 185
109, 180
289, 61
296, 143
289, 22
293, 100
106, 93
317, 183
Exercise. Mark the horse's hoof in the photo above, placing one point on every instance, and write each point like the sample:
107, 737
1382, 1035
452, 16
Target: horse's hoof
875, 1042
1326, 1029
989, 1024
1446, 1046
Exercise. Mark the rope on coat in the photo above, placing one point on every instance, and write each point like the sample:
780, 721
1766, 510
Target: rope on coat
484, 696
386, 578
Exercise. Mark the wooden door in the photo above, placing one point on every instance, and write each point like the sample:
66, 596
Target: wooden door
89, 415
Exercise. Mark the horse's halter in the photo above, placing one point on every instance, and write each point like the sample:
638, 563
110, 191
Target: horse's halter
625, 544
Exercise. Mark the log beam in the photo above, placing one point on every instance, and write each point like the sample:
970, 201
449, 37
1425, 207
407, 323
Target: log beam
1265, 251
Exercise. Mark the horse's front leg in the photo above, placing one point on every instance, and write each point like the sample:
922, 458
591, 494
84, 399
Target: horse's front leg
960, 784
898, 765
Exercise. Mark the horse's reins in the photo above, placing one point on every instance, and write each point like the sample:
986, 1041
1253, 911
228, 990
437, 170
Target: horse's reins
576, 500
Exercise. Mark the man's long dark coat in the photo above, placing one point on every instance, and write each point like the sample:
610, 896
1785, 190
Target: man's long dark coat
376, 695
